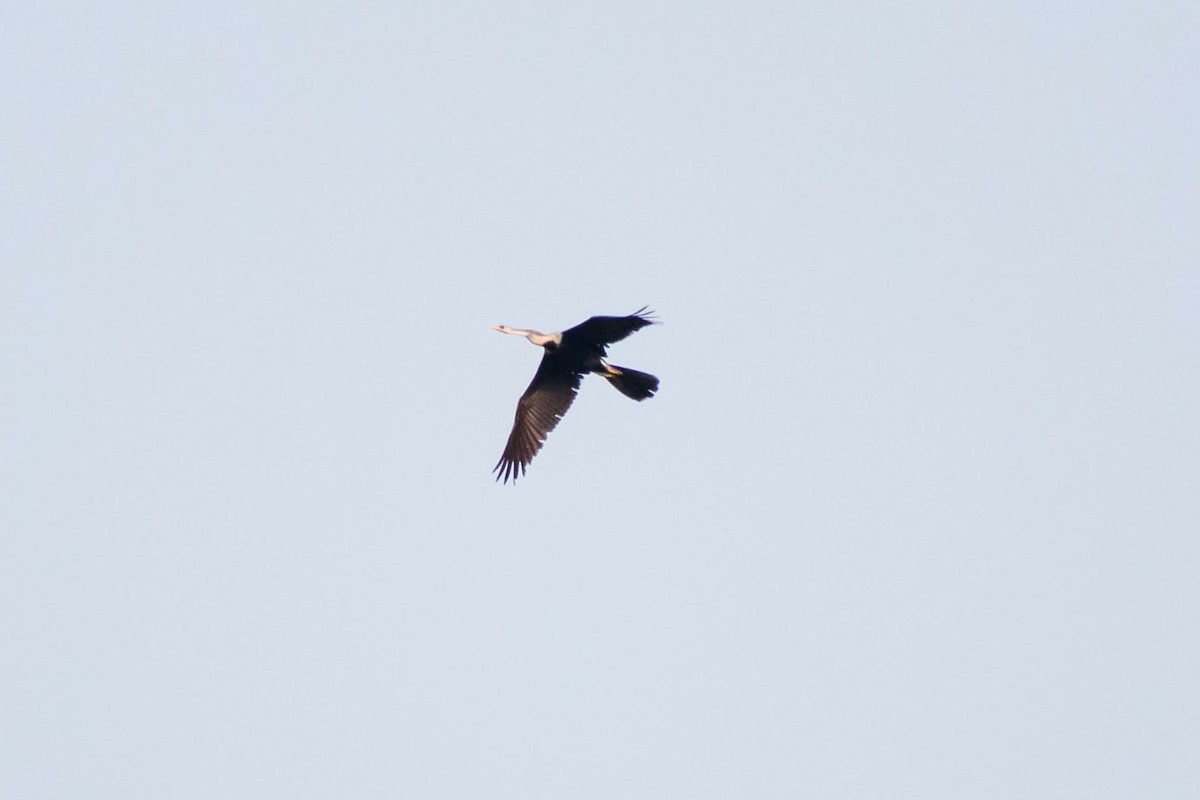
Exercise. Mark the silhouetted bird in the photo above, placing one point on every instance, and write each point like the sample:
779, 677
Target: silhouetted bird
567, 357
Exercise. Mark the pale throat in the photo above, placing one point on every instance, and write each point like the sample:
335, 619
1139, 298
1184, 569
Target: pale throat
543, 339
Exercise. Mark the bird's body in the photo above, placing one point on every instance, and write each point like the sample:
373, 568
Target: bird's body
567, 357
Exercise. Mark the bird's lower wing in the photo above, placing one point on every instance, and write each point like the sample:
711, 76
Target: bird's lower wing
538, 412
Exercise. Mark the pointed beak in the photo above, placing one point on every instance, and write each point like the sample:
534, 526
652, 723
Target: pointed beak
496, 328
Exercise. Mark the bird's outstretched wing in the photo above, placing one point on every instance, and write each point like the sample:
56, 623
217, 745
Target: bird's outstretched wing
548, 397
601, 331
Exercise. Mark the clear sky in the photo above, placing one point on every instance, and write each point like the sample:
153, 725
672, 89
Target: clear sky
915, 513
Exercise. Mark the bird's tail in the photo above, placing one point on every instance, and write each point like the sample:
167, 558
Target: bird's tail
631, 383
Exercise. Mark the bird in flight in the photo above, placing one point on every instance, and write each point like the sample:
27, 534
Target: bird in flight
566, 358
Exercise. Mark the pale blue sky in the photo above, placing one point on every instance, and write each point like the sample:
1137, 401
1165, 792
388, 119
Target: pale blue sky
915, 512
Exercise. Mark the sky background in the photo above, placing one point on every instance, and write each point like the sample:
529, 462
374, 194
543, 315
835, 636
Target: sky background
915, 513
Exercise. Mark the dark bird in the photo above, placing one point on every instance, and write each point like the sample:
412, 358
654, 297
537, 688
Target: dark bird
567, 357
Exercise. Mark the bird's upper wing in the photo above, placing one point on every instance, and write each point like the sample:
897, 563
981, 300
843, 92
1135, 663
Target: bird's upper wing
548, 397
603, 331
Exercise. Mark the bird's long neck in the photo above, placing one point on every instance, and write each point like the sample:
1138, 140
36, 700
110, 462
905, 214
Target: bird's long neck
535, 337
